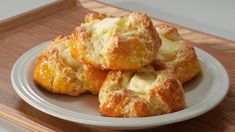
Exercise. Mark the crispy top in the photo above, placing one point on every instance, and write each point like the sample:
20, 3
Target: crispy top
145, 92
116, 43
57, 71
177, 54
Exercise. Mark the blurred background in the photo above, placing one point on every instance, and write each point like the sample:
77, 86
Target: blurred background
215, 17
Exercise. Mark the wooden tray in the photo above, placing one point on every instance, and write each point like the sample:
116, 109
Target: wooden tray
36, 13
14, 42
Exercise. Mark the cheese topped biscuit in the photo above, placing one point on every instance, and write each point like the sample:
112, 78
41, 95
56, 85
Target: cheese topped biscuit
116, 43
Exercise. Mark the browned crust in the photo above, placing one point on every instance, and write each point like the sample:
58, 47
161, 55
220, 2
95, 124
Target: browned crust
52, 74
94, 16
48, 64
169, 32
150, 29
171, 95
121, 55
125, 54
168, 96
185, 64
115, 107
117, 101
38, 77
93, 79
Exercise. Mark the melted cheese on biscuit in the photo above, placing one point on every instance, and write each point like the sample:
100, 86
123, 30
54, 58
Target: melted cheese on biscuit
142, 80
106, 26
65, 53
103, 31
168, 49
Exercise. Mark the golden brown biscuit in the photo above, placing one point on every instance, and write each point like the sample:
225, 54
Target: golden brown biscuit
94, 16
56, 71
177, 54
146, 92
117, 43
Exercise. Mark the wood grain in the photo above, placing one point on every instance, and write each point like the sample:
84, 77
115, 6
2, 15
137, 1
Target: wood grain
36, 13
15, 42
24, 120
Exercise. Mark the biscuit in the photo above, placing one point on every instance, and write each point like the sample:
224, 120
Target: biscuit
177, 54
116, 43
56, 71
145, 92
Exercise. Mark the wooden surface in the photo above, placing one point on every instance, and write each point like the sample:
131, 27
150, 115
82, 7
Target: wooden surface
13, 43
36, 13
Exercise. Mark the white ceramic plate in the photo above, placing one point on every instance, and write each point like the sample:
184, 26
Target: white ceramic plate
202, 94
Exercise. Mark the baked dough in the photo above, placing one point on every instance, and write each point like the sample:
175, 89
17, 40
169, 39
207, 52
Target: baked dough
177, 54
155, 89
116, 43
56, 71
145, 92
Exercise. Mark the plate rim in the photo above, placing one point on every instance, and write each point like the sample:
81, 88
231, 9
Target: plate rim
126, 123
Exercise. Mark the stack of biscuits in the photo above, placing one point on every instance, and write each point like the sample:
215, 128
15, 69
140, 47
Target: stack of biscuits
136, 70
